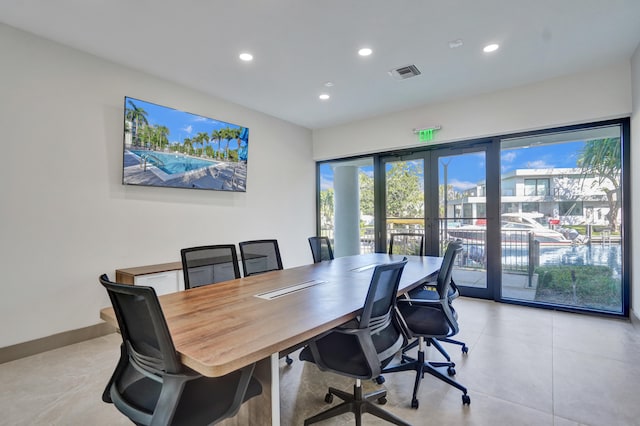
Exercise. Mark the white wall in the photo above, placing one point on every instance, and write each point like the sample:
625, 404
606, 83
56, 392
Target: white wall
65, 217
635, 182
595, 95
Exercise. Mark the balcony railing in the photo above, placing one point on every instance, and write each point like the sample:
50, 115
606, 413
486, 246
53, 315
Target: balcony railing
519, 253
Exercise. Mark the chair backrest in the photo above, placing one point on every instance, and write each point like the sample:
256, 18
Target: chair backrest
209, 264
443, 282
407, 244
378, 314
320, 249
144, 330
260, 256
381, 297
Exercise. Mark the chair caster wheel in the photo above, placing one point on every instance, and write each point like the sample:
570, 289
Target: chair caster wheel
382, 400
415, 404
466, 400
465, 349
288, 360
451, 371
379, 380
328, 398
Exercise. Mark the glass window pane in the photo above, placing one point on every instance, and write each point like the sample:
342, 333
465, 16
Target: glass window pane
346, 210
542, 187
462, 214
561, 240
529, 187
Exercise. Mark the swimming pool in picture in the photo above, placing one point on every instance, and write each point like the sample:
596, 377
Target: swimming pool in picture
172, 163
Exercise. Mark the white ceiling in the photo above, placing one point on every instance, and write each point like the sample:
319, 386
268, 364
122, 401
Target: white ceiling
298, 45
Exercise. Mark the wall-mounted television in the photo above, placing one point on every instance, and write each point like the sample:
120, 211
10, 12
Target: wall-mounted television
171, 148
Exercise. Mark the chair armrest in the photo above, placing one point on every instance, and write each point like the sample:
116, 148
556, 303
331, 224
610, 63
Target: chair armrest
362, 335
423, 302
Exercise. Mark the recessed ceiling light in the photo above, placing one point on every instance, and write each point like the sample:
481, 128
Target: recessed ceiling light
324, 97
490, 48
246, 57
365, 51
328, 84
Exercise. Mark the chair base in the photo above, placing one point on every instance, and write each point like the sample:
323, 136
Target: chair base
357, 404
420, 366
436, 344
464, 349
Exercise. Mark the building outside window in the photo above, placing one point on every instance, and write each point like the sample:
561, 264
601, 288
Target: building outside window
538, 187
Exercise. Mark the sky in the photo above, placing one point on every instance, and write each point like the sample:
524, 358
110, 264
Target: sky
467, 170
181, 124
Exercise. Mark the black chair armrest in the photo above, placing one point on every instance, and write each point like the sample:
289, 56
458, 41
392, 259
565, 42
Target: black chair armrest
363, 336
423, 302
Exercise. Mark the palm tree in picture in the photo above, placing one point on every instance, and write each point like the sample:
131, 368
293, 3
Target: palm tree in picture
144, 136
162, 133
188, 145
227, 135
194, 141
235, 133
216, 135
203, 138
138, 117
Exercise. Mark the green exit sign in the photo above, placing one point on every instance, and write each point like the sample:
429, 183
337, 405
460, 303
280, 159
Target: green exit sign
426, 134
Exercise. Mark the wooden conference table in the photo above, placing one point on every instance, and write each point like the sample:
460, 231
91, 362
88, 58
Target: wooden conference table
219, 328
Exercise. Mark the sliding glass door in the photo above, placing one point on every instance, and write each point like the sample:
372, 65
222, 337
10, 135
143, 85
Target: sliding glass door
461, 213
440, 194
404, 195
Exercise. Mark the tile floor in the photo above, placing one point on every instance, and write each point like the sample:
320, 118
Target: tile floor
525, 367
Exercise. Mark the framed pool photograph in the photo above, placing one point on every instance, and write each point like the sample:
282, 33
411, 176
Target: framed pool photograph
171, 148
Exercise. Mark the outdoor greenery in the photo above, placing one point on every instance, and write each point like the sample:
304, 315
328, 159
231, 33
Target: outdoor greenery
579, 285
156, 137
602, 159
366, 194
326, 208
405, 193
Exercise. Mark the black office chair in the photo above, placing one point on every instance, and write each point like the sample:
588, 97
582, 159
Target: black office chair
362, 347
260, 256
407, 244
320, 249
429, 291
209, 264
149, 384
429, 319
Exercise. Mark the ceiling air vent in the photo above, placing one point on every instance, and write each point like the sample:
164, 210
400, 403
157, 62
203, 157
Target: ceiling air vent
407, 71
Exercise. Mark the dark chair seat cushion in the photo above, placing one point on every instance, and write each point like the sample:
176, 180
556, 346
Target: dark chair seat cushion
207, 398
424, 321
349, 359
142, 393
203, 399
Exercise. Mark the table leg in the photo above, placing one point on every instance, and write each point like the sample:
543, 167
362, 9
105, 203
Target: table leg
264, 409
275, 389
